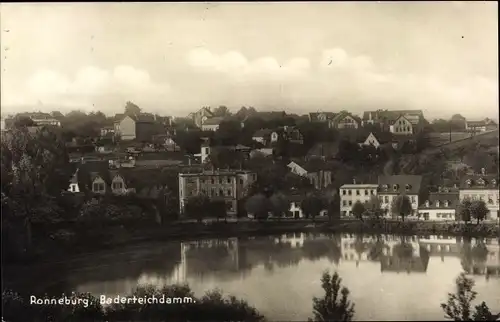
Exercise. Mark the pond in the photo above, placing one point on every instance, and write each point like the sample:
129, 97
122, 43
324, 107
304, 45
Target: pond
389, 277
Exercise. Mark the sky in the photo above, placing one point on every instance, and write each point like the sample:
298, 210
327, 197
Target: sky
173, 58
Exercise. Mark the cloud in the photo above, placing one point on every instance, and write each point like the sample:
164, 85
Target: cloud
91, 85
338, 80
237, 66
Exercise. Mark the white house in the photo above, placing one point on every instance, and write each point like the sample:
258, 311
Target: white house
352, 193
73, 183
440, 206
482, 187
319, 176
212, 124
390, 187
401, 126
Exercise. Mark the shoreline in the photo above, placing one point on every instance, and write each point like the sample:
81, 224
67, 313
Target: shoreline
192, 231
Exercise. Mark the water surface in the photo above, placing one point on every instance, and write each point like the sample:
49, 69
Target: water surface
279, 275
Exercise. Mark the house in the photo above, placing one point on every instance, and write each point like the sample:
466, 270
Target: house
315, 170
262, 136
386, 118
100, 182
287, 133
40, 119
440, 206
108, 131
352, 193
480, 126
345, 120
482, 187
73, 183
380, 139
295, 210
228, 185
390, 187
140, 127
212, 124
401, 126
322, 117
201, 116
167, 141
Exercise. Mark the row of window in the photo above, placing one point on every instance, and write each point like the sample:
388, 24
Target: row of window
386, 199
404, 129
358, 192
214, 192
482, 198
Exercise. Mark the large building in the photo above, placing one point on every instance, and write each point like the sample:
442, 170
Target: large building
440, 206
140, 127
390, 187
352, 193
229, 185
482, 187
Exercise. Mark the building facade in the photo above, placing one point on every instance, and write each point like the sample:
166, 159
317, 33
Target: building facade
440, 206
230, 186
401, 126
352, 193
390, 187
482, 187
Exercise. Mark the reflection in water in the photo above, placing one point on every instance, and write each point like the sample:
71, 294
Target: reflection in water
262, 269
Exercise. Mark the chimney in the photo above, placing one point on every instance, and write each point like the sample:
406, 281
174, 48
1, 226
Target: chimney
354, 180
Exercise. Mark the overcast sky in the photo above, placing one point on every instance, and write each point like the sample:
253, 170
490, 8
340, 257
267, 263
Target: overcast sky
173, 58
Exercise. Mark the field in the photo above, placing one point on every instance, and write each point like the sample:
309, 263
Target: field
438, 139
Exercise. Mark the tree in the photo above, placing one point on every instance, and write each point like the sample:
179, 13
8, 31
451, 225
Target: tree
313, 204
280, 204
478, 210
35, 170
464, 210
459, 305
358, 209
196, 207
132, 109
401, 205
217, 208
223, 157
373, 208
23, 122
335, 304
221, 111
334, 206
259, 206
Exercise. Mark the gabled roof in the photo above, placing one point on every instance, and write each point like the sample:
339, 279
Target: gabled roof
387, 115
315, 116
437, 200
312, 165
340, 116
216, 120
490, 181
398, 184
262, 133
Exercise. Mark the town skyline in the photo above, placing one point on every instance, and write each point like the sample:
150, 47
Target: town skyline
441, 58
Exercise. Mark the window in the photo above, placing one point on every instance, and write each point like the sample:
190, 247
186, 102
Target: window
221, 192
349, 192
357, 193
228, 180
344, 203
372, 192
229, 192
98, 187
366, 192
386, 199
344, 192
117, 185
412, 199
73, 188
241, 181
213, 181
350, 203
